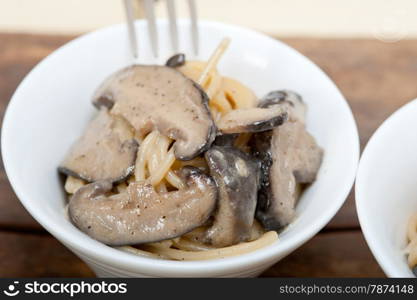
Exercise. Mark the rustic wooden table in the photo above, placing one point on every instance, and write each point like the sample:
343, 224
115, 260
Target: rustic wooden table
376, 78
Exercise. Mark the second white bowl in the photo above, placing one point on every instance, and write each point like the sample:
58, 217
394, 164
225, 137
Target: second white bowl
386, 189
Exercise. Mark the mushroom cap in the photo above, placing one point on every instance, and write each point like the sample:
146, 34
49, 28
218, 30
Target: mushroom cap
106, 151
162, 98
237, 175
140, 214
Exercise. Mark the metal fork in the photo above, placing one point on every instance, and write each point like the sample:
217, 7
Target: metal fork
149, 8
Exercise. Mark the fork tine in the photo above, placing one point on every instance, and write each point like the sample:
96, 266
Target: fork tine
194, 25
130, 21
172, 15
153, 33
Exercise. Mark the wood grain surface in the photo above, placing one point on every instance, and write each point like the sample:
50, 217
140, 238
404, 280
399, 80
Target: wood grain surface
375, 77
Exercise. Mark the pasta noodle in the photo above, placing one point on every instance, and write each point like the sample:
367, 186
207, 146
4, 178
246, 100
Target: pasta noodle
156, 163
144, 148
215, 253
412, 239
214, 59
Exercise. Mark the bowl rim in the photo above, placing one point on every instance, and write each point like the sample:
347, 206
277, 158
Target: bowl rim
383, 260
85, 246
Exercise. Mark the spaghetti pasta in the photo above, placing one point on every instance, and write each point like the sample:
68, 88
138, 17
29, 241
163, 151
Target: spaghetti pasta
155, 159
225, 94
216, 253
214, 59
72, 184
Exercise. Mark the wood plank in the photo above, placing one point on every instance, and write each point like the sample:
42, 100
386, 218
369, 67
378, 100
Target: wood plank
342, 254
336, 254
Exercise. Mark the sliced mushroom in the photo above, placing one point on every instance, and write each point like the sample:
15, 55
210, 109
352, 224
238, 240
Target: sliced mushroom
102, 96
289, 99
290, 156
237, 177
158, 97
254, 119
176, 60
141, 215
106, 151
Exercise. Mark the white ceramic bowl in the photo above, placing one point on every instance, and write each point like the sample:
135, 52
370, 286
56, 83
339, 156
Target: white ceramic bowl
386, 189
52, 106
